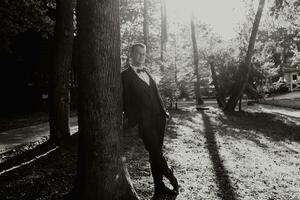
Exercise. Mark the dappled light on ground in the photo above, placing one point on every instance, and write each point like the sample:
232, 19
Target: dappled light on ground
249, 155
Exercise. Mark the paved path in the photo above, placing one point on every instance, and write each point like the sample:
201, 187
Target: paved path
290, 95
263, 107
289, 100
13, 138
277, 110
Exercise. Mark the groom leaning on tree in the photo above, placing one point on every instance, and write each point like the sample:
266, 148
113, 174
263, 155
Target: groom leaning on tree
143, 106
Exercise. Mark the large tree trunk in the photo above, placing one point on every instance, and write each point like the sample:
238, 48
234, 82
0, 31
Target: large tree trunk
60, 72
219, 96
164, 34
245, 67
101, 173
199, 100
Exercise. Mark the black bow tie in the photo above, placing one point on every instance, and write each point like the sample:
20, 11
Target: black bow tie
140, 70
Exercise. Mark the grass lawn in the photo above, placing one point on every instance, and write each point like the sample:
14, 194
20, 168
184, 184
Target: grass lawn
243, 156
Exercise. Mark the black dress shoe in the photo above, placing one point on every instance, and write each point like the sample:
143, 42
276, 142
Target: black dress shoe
164, 190
170, 176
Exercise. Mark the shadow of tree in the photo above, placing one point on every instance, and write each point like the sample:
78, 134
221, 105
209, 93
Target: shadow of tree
226, 191
249, 124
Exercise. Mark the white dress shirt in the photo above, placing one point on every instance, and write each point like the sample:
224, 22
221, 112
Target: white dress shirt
142, 75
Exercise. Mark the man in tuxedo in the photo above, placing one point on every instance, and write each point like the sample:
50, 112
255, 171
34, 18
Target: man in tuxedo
143, 106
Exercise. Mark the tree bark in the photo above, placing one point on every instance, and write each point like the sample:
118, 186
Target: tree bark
245, 67
175, 71
164, 34
199, 100
101, 172
60, 72
74, 81
146, 24
220, 98
240, 104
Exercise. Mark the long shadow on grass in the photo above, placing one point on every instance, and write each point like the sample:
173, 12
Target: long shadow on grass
226, 191
250, 124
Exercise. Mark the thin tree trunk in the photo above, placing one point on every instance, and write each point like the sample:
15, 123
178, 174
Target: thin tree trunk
220, 98
146, 24
175, 63
101, 172
245, 67
199, 100
175, 71
164, 34
74, 80
240, 104
298, 46
146, 29
60, 72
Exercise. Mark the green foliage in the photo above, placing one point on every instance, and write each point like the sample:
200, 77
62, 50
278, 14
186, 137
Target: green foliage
278, 42
277, 45
169, 86
20, 16
282, 27
226, 64
131, 20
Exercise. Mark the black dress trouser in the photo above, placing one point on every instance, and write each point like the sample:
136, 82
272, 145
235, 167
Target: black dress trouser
152, 133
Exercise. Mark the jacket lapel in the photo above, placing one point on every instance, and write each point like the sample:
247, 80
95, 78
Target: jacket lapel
157, 93
138, 82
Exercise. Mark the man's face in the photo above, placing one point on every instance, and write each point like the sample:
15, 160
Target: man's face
138, 56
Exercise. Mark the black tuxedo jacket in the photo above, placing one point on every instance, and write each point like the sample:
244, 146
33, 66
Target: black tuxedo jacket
136, 100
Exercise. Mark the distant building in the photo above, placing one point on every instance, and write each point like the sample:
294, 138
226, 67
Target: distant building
291, 76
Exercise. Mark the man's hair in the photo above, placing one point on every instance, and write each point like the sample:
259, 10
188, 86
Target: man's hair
137, 45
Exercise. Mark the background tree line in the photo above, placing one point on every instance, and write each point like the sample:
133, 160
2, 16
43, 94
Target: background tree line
30, 25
